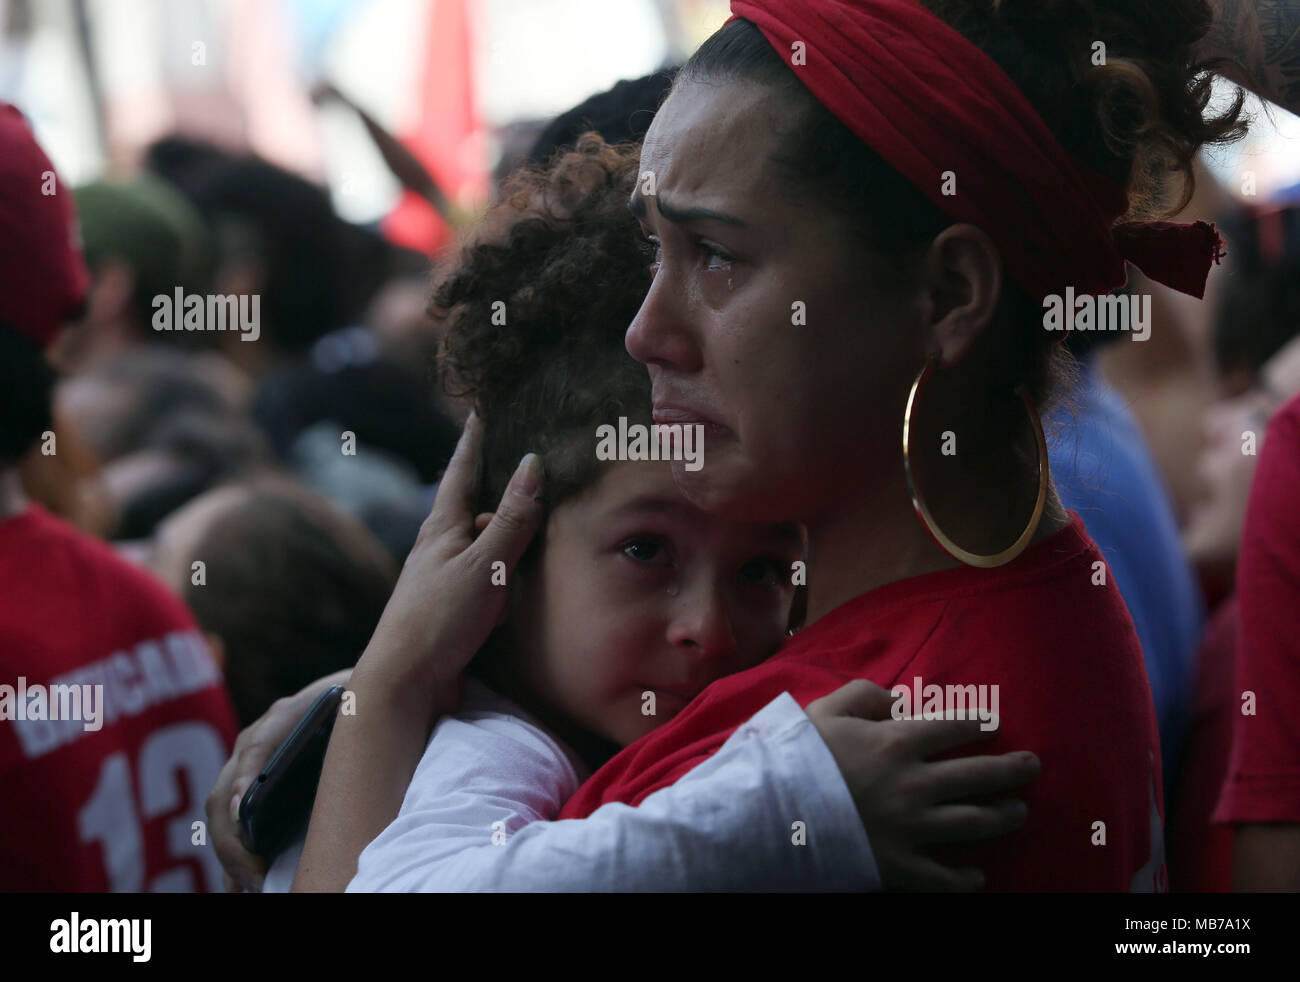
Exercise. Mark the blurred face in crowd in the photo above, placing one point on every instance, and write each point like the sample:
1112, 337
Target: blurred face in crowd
762, 321
640, 600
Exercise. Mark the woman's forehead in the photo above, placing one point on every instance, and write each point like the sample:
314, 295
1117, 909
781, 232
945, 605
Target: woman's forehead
710, 131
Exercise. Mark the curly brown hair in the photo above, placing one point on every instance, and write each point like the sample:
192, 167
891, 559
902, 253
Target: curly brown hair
535, 311
1140, 118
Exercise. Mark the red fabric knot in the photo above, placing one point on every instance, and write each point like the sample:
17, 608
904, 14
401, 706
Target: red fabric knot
1175, 254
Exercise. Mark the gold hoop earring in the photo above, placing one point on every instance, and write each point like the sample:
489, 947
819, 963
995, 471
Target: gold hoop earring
923, 512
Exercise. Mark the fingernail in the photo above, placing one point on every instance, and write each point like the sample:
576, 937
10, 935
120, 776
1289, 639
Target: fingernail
234, 807
528, 477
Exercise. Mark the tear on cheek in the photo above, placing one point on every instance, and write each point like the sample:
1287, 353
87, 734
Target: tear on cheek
720, 285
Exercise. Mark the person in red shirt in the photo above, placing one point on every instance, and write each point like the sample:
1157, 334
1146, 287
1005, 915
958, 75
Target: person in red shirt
1080, 700
885, 259
1261, 795
113, 717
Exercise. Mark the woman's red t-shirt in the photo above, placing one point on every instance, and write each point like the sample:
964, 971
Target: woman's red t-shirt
1052, 632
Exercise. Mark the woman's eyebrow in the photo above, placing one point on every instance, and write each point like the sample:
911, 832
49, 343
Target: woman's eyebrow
681, 216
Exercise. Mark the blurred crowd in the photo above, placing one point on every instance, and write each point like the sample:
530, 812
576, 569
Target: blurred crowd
299, 465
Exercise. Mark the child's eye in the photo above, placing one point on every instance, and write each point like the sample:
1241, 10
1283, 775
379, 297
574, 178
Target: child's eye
766, 570
649, 551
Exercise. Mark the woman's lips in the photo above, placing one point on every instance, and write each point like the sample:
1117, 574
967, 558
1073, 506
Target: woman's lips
679, 416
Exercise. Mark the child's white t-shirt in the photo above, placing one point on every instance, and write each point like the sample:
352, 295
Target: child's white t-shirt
769, 811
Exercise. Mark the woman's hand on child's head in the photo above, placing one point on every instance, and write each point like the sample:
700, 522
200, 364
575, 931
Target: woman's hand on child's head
452, 589
908, 803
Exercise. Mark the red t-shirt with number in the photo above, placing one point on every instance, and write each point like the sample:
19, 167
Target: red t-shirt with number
1263, 783
1052, 632
112, 806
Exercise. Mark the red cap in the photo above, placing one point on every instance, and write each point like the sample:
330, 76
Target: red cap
43, 278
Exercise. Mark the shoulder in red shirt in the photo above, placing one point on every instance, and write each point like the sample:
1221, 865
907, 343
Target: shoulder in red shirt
1059, 644
107, 804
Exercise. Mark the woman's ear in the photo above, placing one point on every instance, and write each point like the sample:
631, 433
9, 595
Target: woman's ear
963, 271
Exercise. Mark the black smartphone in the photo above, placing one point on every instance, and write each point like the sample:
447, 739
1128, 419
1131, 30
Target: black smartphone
278, 804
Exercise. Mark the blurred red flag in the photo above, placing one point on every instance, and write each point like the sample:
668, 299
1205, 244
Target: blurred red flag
448, 137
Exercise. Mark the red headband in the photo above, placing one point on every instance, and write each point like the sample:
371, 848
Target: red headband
928, 101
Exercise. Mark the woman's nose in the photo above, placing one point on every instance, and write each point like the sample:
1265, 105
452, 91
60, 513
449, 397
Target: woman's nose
658, 335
